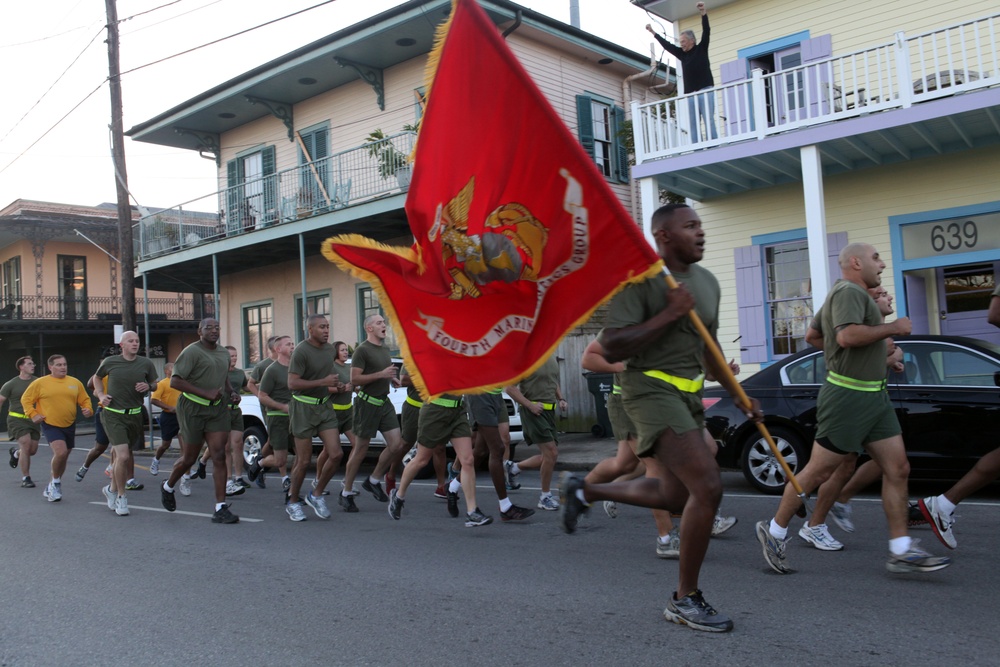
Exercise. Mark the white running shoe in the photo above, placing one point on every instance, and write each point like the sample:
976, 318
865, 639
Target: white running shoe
820, 537
842, 516
548, 502
121, 506
154, 467
110, 495
185, 486
940, 522
722, 524
611, 508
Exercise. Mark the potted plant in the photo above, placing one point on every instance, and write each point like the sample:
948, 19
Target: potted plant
391, 161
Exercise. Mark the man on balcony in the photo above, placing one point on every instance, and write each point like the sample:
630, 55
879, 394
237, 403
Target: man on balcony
697, 70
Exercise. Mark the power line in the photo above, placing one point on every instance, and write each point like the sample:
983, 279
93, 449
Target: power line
53, 85
148, 11
75, 107
43, 39
176, 16
222, 39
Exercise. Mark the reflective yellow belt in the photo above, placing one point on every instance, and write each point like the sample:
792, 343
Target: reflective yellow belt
342, 406
199, 400
616, 389
856, 385
546, 406
276, 413
689, 386
447, 402
127, 411
310, 400
414, 402
495, 391
17, 414
377, 402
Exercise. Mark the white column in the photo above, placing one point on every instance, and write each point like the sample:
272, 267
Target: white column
812, 190
649, 201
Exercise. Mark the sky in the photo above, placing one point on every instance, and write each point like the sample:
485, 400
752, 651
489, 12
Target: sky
55, 144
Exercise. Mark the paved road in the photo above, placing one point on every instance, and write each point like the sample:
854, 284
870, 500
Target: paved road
85, 587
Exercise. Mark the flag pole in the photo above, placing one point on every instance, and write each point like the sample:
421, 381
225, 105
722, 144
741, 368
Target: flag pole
741, 396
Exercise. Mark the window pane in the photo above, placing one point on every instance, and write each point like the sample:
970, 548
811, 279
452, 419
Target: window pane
257, 328
968, 288
369, 305
789, 296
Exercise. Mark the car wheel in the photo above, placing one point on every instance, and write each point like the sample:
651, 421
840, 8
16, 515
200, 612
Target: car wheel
761, 467
254, 438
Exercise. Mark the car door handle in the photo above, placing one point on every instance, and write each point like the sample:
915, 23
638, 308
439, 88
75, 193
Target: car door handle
804, 396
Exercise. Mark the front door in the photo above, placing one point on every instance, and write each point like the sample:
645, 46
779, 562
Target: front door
72, 287
964, 294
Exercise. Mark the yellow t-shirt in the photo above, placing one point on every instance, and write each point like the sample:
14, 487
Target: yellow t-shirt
56, 399
165, 393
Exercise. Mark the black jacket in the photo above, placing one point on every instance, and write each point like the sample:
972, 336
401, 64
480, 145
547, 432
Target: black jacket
697, 69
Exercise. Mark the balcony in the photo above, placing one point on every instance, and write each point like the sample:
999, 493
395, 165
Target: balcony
104, 309
341, 181
933, 72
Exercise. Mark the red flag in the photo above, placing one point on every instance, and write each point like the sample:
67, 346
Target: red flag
518, 237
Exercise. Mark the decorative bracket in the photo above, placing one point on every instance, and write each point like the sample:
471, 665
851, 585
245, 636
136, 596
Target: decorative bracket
208, 141
370, 75
279, 110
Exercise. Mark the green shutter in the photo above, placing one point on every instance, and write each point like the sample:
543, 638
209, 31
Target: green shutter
585, 120
618, 147
234, 194
268, 167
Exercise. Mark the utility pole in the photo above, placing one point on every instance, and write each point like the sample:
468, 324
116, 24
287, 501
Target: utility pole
121, 178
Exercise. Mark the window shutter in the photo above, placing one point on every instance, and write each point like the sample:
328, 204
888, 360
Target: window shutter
817, 48
268, 168
834, 244
585, 120
621, 153
819, 77
750, 304
734, 107
234, 194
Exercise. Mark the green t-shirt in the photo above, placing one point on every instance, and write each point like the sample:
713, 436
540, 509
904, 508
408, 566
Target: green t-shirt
680, 350
541, 385
258, 370
12, 390
411, 391
371, 358
312, 363
238, 379
848, 303
343, 372
274, 383
122, 376
202, 367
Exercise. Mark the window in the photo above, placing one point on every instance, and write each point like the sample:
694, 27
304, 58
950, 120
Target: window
251, 194
258, 326
12, 280
314, 179
789, 300
368, 304
317, 303
774, 292
968, 288
72, 287
809, 370
945, 365
600, 126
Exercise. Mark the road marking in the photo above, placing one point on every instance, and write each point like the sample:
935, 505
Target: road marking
160, 509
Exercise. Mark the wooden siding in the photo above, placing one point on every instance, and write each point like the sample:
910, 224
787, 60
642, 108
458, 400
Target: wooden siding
858, 203
854, 24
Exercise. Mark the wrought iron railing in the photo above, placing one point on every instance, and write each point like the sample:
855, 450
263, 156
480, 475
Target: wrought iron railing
342, 180
897, 74
186, 308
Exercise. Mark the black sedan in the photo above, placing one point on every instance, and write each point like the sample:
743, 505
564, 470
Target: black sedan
947, 400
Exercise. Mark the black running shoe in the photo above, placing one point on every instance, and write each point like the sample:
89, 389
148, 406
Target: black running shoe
260, 481
395, 505
254, 470
453, 504
572, 506
516, 513
167, 498
375, 489
916, 517
477, 518
200, 472
692, 611
223, 515
13, 459
26, 483
347, 502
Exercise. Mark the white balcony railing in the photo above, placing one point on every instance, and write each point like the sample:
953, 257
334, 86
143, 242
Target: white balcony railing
339, 181
896, 74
